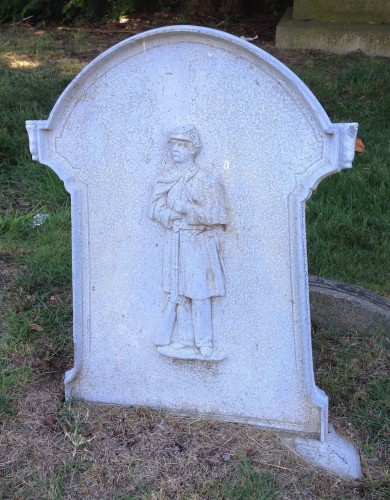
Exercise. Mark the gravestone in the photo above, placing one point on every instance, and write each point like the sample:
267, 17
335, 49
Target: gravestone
348, 11
335, 26
189, 154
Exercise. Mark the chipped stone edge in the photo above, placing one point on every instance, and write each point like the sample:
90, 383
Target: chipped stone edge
336, 455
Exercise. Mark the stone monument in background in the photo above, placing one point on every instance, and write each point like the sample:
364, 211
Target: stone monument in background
189, 155
337, 26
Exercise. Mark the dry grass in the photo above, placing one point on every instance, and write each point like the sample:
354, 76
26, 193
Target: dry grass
57, 450
51, 449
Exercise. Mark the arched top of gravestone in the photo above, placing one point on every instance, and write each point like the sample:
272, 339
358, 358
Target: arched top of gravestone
249, 108
205, 37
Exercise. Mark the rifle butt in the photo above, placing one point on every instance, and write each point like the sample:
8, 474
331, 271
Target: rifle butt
164, 330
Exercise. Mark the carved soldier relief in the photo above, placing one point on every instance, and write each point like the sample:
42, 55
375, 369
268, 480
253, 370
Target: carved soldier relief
189, 202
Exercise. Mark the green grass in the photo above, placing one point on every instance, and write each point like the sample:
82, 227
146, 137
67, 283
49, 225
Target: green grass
245, 484
354, 371
348, 218
348, 226
12, 379
33, 72
249, 484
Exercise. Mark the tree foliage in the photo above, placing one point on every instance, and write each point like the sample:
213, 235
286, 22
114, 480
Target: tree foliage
15, 10
216, 7
59, 10
101, 9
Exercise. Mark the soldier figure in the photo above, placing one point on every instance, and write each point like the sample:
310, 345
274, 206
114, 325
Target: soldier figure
189, 203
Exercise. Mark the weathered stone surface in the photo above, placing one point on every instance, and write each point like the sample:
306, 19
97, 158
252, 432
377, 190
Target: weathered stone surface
349, 11
336, 37
189, 154
334, 454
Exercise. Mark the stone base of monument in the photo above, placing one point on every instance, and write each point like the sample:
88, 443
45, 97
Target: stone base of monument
337, 37
335, 454
184, 352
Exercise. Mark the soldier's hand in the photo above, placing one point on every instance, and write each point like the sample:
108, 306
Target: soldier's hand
181, 207
174, 215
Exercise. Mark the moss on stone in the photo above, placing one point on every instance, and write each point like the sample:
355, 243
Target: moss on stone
352, 11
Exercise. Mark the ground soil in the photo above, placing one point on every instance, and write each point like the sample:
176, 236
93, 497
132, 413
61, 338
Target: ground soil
257, 28
260, 25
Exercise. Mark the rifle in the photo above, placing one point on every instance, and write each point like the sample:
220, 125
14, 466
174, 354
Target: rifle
164, 330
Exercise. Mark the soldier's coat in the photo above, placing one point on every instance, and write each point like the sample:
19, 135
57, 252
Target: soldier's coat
200, 272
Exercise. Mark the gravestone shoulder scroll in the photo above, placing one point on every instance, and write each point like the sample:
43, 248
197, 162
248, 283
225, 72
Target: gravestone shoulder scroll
189, 154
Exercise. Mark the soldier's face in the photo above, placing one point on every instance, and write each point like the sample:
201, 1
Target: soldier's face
182, 151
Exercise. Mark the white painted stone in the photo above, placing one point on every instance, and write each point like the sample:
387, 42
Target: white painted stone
264, 144
334, 454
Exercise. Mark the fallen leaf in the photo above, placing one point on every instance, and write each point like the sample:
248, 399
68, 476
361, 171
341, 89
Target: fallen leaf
359, 146
37, 328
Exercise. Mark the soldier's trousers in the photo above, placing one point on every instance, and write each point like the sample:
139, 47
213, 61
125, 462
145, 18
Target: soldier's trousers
194, 322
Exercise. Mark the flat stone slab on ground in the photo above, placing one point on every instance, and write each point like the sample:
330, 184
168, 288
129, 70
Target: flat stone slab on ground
344, 307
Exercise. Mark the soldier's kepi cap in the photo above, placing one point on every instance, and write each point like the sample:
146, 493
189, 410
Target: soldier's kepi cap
184, 133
